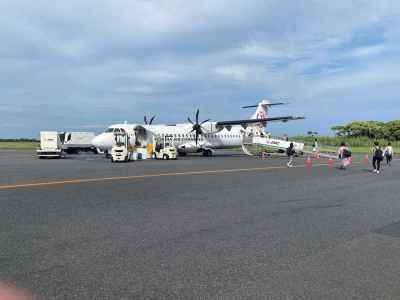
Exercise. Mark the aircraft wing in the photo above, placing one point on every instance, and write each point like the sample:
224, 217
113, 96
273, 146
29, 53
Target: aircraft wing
253, 121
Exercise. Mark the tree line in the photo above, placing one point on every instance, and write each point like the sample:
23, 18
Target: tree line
19, 140
370, 129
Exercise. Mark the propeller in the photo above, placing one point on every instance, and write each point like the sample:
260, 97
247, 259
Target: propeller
197, 128
149, 122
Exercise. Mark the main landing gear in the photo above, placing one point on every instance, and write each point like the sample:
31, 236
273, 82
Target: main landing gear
207, 152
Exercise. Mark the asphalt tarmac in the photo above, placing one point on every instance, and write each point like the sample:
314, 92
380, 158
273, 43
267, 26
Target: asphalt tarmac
225, 227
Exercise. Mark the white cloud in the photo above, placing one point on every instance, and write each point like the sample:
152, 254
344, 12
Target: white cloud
135, 90
235, 72
178, 54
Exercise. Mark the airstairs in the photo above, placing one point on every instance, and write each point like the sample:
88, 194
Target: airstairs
252, 143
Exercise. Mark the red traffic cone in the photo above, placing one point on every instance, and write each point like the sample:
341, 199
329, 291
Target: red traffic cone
365, 160
330, 162
308, 163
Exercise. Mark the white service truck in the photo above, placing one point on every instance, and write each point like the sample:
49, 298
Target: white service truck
74, 142
50, 145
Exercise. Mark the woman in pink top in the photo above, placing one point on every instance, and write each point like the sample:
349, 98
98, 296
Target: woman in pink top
344, 155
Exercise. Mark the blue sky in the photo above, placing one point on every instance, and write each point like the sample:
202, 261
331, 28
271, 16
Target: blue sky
81, 65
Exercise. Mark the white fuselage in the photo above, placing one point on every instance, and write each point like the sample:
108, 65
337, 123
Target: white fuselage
181, 135
213, 136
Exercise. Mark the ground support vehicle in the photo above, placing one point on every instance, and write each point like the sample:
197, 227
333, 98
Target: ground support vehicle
122, 151
50, 145
163, 148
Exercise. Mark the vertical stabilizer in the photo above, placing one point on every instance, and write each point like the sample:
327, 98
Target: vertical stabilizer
261, 113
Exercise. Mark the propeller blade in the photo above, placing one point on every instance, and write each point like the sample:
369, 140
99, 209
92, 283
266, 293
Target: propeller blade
205, 121
197, 116
145, 120
197, 137
151, 120
190, 121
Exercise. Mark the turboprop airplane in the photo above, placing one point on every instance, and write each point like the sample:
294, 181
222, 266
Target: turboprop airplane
195, 136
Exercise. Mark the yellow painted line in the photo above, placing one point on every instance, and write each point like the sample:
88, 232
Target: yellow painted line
133, 177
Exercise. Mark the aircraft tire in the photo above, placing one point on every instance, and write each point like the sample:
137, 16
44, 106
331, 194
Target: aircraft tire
207, 153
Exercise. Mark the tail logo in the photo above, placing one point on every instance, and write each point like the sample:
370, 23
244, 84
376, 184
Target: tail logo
260, 115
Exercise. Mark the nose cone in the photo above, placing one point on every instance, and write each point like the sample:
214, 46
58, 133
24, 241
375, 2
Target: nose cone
96, 141
102, 141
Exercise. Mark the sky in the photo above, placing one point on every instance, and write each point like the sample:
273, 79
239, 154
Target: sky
83, 65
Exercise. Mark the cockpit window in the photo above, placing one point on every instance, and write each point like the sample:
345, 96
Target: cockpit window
109, 130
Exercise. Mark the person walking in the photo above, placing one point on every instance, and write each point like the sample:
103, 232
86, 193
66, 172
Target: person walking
377, 157
315, 145
290, 153
388, 154
344, 155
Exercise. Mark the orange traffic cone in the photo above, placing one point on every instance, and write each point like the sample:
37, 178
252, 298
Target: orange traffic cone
365, 160
308, 163
330, 162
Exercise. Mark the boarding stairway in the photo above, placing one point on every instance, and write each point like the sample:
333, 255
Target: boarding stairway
273, 143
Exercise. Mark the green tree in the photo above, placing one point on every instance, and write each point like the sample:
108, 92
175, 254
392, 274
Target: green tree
369, 129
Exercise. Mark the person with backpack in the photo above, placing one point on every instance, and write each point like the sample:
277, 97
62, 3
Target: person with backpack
388, 154
377, 157
290, 153
344, 155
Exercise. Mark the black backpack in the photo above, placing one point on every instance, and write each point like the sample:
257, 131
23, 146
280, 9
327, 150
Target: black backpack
290, 151
346, 153
378, 153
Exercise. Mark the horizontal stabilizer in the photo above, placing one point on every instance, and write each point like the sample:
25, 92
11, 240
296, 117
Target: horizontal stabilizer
266, 104
253, 121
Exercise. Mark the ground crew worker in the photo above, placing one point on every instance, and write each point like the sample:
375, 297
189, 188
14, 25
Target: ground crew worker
388, 154
377, 157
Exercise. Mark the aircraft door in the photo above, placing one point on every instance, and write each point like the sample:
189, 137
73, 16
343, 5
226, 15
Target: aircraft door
140, 136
